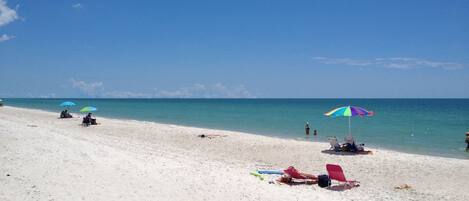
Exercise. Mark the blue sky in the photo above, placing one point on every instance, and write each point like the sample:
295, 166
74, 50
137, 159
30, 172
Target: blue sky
265, 49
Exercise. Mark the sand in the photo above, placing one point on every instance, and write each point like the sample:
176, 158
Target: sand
45, 158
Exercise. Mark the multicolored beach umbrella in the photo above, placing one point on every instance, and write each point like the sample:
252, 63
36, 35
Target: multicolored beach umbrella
88, 109
349, 111
67, 104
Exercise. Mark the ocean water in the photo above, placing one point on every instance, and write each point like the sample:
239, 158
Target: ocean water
423, 126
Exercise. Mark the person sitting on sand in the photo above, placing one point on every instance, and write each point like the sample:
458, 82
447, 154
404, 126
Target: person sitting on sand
87, 120
92, 120
62, 114
349, 145
88, 117
65, 114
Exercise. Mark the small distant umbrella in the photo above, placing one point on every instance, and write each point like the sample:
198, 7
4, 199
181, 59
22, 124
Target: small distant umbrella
67, 104
349, 111
88, 109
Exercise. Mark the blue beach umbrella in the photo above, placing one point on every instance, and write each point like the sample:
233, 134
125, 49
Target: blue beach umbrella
67, 104
88, 109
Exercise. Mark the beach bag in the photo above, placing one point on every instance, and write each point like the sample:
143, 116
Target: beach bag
324, 181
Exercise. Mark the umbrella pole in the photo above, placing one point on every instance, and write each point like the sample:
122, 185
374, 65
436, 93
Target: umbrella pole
349, 130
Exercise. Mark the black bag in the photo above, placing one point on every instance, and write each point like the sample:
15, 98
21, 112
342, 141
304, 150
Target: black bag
324, 181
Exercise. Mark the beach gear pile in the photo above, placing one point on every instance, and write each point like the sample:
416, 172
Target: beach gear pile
292, 176
349, 146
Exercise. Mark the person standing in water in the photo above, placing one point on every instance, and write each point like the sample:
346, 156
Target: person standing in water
307, 128
467, 141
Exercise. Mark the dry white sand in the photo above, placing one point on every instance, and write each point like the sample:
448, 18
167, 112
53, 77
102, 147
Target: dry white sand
57, 159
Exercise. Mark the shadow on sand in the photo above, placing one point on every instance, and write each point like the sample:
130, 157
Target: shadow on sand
340, 187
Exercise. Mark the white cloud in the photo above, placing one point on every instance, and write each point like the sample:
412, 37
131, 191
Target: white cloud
7, 15
5, 37
77, 6
393, 62
197, 90
180, 93
51, 95
125, 94
183, 92
217, 90
93, 89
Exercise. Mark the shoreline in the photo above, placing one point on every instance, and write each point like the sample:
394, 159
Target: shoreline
49, 158
301, 139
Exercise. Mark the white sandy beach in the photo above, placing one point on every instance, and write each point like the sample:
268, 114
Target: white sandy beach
57, 159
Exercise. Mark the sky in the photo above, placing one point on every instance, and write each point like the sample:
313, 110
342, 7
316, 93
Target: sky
234, 49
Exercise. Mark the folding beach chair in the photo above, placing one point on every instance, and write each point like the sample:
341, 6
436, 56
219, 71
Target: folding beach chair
336, 173
349, 139
334, 144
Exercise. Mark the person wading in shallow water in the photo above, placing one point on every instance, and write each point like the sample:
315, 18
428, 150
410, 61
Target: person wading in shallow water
467, 141
307, 128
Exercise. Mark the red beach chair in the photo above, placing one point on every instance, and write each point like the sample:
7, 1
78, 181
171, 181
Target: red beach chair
336, 173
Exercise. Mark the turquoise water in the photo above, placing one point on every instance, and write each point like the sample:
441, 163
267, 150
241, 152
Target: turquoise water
423, 126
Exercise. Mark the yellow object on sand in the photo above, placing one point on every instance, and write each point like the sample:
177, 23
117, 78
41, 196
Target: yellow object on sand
256, 174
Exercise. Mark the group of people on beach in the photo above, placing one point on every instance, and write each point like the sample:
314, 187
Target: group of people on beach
87, 120
348, 146
65, 114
